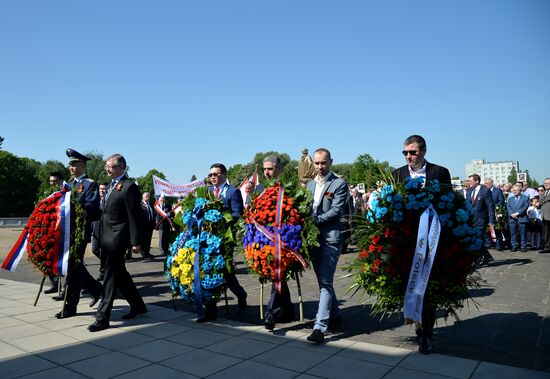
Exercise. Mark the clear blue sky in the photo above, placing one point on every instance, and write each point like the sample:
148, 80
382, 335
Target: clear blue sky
178, 85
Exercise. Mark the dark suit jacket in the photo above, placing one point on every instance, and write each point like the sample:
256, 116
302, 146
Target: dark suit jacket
513, 206
120, 223
433, 172
233, 201
483, 208
498, 196
331, 207
86, 192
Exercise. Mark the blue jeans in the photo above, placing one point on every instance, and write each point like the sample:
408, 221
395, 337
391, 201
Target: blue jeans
515, 227
324, 264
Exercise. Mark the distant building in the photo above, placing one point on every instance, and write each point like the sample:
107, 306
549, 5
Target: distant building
498, 171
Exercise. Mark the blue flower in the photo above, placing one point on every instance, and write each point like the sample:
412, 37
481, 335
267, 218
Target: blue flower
213, 215
200, 203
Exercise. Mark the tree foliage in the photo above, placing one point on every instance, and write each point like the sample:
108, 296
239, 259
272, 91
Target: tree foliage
20, 183
145, 183
365, 169
44, 172
1, 142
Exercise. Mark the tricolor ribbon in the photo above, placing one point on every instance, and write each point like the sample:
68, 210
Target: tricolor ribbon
492, 233
278, 243
63, 237
429, 230
15, 254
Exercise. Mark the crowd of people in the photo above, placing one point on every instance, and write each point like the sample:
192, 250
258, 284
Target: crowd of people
120, 222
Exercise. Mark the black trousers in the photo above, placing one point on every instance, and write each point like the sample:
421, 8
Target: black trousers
77, 279
280, 306
234, 286
146, 237
546, 231
96, 250
164, 235
117, 277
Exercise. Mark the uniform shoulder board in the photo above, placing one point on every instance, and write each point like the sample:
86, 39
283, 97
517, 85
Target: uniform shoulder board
89, 180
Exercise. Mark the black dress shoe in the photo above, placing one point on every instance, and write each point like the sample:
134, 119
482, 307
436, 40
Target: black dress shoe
269, 322
98, 325
133, 313
524, 250
206, 318
425, 345
52, 289
316, 336
66, 314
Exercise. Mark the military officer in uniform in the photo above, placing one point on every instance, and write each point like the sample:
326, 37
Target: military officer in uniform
85, 191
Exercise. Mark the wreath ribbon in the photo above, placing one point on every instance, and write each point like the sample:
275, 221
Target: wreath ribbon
278, 243
429, 230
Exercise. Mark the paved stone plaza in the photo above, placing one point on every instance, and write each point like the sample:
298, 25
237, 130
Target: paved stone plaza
504, 331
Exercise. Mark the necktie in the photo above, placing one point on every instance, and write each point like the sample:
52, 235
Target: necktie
517, 199
216, 192
473, 198
109, 189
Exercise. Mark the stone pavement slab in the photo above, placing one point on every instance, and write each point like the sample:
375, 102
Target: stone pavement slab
508, 325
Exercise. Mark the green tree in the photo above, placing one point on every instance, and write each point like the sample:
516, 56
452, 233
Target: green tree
95, 167
237, 173
145, 183
44, 171
20, 183
342, 169
532, 182
513, 177
366, 169
193, 178
1, 142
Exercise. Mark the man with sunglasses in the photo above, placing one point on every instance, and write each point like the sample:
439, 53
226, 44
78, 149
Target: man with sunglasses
232, 201
414, 150
545, 213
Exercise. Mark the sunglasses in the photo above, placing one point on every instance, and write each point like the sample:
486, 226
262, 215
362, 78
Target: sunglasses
411, 152
212, 174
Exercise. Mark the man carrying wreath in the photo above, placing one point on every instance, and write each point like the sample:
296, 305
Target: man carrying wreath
414, 151
85, 191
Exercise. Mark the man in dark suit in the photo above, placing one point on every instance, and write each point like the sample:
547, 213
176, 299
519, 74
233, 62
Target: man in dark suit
85, 191
330, 194
148, 225
498, 199
119, 228
414, 151
279, 307
232, 201
164, 226
545, 213
517, 217
483, 210
96, 249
